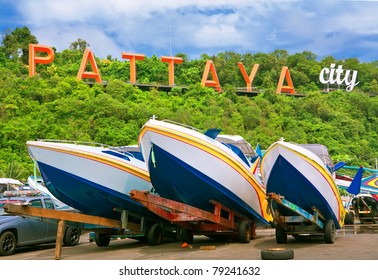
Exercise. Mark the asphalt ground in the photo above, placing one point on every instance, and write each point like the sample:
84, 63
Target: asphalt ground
353, 242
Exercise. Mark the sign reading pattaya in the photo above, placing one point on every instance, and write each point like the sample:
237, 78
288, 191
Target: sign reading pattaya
326, 75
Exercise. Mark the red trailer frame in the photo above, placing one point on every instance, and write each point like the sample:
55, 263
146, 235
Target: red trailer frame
223, 222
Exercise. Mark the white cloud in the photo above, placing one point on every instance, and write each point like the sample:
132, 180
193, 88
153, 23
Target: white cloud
195, 27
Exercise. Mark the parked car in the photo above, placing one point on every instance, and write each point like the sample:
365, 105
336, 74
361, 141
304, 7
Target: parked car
18, 231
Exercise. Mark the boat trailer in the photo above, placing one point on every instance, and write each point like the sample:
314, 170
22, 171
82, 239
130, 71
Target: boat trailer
366, 209
290, 219
129, 225
223, 222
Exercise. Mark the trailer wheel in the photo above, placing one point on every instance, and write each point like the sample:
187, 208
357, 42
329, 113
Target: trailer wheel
155, 235
186, 236
330, 232
102, 240
281, 235
346, 219
7, 243
245, 232
72, 237
277, 254
350, 218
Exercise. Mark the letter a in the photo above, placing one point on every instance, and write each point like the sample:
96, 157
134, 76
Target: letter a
290, 87
95, 74
208, 83
34, 59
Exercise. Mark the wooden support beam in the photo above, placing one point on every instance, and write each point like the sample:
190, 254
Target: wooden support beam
59, 239
68, 216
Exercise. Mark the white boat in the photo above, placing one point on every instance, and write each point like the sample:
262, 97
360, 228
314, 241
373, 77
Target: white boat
94, 179
194, 168
9, 184
304, 178
369, 184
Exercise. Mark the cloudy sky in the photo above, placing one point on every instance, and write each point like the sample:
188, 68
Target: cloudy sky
341, 28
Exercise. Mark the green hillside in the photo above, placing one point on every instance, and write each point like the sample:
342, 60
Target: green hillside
55, 105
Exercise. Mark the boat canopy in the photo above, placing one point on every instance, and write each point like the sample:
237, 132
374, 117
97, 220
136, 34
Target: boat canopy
9, 181
239, 142
321, 151
8, 184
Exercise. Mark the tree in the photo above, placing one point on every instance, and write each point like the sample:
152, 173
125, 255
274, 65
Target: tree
14, 170
80, 45
16, 44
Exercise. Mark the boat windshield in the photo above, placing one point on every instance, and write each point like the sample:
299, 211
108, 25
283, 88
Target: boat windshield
322, 152
117, 154
237, 151
239, 142
132, 151
239, 145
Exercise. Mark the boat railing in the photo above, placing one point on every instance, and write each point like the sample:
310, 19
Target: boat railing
184, 125
120, 149
78, 142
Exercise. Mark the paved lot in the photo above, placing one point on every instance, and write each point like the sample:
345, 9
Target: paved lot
357, 242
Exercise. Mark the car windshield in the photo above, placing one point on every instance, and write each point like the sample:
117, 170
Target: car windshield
7, 201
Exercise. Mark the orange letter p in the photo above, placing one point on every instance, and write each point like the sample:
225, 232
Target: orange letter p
33, 59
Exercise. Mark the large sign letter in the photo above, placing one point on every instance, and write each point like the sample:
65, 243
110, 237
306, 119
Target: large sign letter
210, 83
34, 59
171, 71
132, 57
290, 87
248, 79
95, 74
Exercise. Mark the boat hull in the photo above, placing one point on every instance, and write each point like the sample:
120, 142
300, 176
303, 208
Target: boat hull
89, 180
297, 174
188, 167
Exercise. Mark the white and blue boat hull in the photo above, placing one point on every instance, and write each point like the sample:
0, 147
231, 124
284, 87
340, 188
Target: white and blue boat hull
89, 180
301, 178
194, 169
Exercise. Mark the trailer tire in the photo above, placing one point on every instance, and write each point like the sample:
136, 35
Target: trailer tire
155, 235
281, 235
102, 240
7, 243
245, 232
329, 232
187, 236
71, 237
346, 219
277, 254
351, 218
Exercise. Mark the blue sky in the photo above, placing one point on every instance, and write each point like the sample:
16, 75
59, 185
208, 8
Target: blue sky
341, 28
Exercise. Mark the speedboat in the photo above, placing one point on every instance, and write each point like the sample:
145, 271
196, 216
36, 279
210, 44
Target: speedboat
194, 168
302, 175
369, 184
94, 179
9, 184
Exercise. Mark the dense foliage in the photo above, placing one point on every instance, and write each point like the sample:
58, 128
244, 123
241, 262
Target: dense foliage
55, 105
